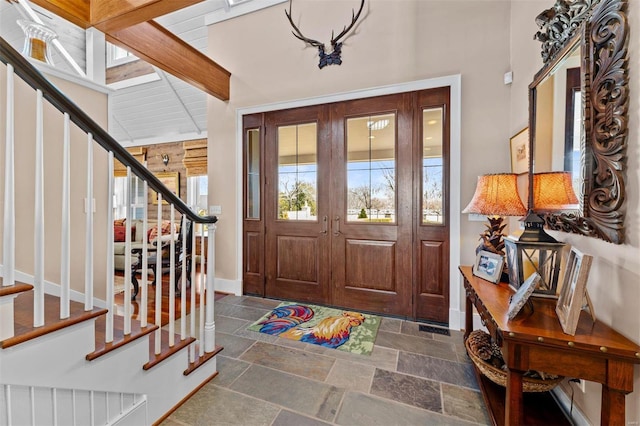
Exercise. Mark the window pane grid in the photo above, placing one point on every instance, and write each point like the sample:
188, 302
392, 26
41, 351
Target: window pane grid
371, 169
297, 172
432, 166
253, 174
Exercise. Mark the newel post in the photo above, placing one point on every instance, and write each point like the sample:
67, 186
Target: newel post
210, 326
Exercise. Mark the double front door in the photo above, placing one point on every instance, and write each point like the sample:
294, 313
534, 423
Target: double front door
345, 204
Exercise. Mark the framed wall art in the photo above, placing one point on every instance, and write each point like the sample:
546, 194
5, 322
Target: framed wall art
573, 294
169, 179
521, 297
488, 266
519, 145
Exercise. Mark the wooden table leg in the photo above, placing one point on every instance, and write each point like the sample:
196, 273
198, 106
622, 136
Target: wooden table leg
514, 414
468, 318
612, 410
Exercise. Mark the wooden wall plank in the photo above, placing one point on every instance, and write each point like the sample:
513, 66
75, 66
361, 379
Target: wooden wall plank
127, 71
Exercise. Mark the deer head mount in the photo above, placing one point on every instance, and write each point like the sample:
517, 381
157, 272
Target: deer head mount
336, 45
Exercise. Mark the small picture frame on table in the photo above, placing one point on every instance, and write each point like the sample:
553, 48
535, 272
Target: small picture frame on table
519, 145
573, 294
488, 266
521, 297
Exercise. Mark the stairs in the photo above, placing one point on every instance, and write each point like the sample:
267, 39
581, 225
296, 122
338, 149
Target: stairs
62, 250
122, 382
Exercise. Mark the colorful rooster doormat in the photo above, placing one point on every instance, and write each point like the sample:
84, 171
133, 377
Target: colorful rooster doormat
345, 330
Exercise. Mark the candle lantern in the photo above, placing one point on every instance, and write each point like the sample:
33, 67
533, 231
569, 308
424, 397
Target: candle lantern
526, 257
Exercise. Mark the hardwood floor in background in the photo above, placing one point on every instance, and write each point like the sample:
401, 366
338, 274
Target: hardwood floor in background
151, 300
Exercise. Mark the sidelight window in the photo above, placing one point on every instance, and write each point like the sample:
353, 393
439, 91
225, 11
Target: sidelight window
371, 169
297, 172
253, 174
432, 166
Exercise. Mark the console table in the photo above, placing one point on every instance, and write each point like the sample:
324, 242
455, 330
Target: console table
535, 340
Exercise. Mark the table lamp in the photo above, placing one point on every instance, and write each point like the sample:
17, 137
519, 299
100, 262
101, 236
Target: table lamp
496, 196
553, 191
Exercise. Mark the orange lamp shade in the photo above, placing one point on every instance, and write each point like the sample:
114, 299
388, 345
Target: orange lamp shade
553, 191
496, 194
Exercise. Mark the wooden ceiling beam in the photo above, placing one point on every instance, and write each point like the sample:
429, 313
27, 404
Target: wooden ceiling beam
158, 46
76, 11
113, 15
129, 24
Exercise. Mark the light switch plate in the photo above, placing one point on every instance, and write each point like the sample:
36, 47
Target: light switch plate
215, 210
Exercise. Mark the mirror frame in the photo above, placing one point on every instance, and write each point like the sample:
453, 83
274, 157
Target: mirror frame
601, 29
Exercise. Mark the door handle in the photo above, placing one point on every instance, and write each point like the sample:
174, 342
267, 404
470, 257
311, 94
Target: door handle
336, 230
324, 225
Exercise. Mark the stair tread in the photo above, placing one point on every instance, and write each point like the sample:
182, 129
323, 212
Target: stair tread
119, 338
23, 317
201, 360
13, 289
165, 350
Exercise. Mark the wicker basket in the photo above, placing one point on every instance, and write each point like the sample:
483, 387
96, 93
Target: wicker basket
498, 376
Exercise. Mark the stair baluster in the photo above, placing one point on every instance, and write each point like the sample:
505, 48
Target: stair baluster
65, 228
9, 231
38, 214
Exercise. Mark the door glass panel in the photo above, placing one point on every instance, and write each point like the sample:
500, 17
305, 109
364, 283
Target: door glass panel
432, 166
253, 174
297, 172
371, 169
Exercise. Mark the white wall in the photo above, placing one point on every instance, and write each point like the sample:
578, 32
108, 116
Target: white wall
395, 42
614, 281
94, 103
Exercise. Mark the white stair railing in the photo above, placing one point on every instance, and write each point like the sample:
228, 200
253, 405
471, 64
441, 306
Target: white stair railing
70, 116
36, 405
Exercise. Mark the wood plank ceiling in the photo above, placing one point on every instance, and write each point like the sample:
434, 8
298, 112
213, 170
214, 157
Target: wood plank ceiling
130, 24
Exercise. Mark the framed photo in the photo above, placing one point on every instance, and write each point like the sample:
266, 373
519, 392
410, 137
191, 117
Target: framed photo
520, 297
573, 293
488, 266
169, 179
519, 144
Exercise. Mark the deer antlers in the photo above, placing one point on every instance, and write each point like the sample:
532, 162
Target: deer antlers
334, 56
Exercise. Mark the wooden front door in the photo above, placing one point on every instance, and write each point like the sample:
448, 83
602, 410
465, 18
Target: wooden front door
371, 238
297, 194
346, 218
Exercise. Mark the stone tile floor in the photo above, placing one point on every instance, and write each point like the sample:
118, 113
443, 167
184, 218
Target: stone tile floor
411, 378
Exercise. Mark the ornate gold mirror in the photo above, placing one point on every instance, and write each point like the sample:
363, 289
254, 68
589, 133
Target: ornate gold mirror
578, 113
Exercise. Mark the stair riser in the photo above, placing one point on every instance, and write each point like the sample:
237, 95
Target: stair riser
30, 363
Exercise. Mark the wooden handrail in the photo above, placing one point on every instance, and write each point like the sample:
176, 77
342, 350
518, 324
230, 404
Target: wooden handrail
31, 76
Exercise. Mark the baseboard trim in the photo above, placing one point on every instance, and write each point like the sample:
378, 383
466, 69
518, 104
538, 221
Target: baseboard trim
54, 289
574, 414
456, 319
221, 284
229, 286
